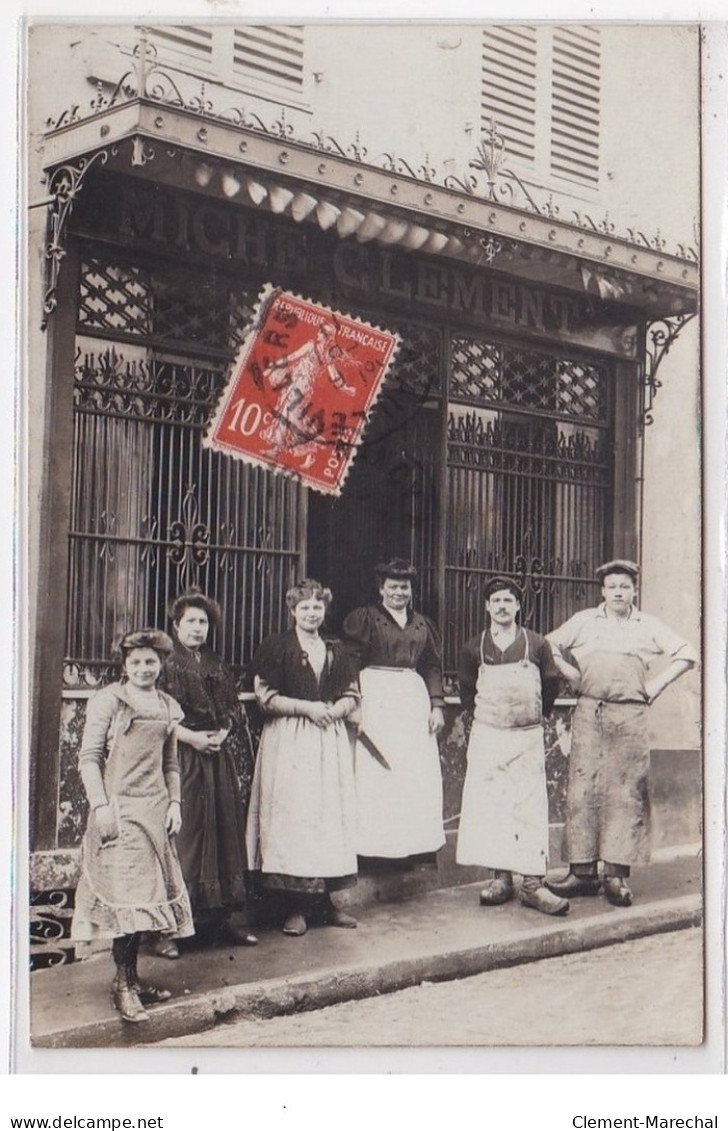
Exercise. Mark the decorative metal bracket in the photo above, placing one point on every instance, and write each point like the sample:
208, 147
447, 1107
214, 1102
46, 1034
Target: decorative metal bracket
660, 336
65, 184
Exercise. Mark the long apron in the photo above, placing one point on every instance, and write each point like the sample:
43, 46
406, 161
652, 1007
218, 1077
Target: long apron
399, 810
301, 820
607, 799
133, 882
504, 820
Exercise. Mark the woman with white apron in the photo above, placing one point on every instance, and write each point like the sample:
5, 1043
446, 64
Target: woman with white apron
509, 679
398, 655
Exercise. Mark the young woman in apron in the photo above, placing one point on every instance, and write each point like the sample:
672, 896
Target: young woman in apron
507, 675
607, 797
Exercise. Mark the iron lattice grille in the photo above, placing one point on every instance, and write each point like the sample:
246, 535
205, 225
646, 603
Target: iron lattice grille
152, 511
486, 373
417, 370
418, 366
529, 483
163, 304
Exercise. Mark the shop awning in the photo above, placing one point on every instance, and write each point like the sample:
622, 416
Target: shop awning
239, 159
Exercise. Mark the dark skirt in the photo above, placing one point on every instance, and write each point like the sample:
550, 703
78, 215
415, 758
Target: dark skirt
211, 842
303, 885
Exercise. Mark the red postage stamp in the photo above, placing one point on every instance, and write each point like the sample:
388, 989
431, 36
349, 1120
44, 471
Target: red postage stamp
301, 390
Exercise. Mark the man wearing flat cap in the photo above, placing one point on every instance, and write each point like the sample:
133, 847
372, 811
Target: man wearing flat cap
508, 679
605, 653
398, 655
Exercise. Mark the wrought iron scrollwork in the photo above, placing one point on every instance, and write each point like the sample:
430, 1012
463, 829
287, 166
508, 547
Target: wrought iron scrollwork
65, 183
661, 336
87, 675
190, 540
282, 128
145, 391
501, 447
142, 151
468, 183
50, 919
603, 227
146, 78
654, 243
486, 247
398, 165
538, 578
528, 570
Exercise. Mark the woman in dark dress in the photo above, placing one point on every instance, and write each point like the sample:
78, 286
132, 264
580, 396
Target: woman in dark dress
216, 764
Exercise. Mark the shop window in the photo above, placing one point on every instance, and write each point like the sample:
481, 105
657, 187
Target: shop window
529, 470
152, 510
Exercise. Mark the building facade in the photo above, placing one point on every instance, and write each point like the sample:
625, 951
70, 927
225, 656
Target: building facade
186, 167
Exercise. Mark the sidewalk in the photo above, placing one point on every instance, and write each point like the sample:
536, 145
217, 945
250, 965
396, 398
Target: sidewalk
437, 936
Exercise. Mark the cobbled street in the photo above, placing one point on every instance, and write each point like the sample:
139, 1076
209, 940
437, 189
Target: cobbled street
641, 992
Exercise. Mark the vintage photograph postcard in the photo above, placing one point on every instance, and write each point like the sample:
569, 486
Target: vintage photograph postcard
363, 397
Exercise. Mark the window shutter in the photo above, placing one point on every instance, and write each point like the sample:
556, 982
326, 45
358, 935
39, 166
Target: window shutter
575, 94
508, 87
270, 54
182, 45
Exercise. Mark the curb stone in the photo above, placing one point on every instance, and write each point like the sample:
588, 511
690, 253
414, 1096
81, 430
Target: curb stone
279, 996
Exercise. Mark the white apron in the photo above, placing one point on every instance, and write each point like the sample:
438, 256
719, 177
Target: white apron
301, 818
504, 817
399, 811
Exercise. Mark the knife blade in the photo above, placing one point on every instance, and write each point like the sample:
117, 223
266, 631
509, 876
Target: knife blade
373, 749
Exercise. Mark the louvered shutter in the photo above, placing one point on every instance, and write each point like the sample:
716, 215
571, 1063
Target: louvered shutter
269, 53
184, 46
508, 87
575, 95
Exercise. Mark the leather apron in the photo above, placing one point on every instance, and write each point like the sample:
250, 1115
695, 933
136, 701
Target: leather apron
607, 798
504, 816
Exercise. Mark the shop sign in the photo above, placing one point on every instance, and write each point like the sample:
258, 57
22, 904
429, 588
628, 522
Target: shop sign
371, 275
